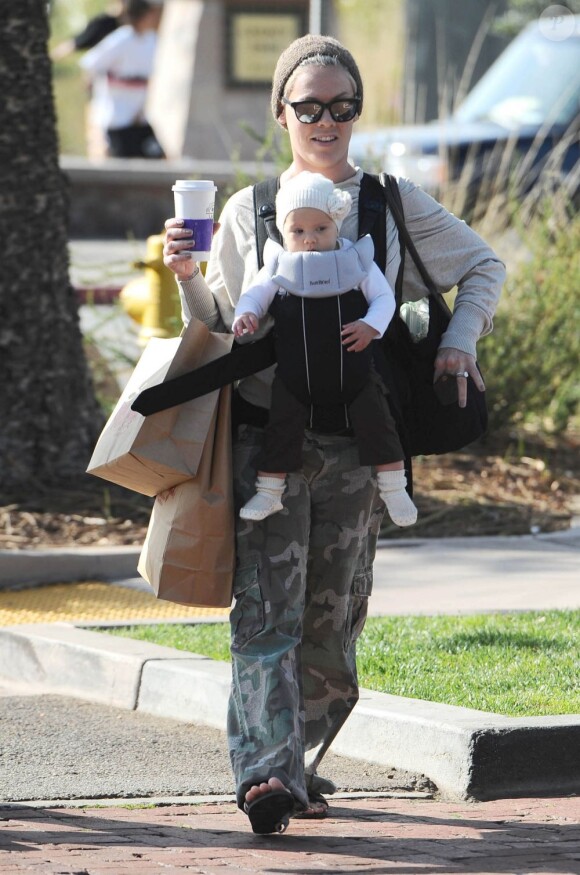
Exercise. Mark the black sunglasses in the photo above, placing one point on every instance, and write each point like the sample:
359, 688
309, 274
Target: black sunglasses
310, 111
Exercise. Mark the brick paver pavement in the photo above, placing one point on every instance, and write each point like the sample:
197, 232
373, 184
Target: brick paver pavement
374, 835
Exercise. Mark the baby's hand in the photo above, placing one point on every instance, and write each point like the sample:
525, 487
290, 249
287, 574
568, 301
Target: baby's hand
245, 324
356, 336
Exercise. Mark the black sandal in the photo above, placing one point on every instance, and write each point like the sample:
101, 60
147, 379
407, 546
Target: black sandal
270, 812
314, 799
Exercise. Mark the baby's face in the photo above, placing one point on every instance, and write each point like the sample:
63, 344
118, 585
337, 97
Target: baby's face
309, 230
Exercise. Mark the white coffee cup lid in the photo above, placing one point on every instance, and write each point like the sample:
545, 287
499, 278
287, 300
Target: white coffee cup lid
194, 185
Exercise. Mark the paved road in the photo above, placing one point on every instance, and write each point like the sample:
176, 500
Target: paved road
55, 747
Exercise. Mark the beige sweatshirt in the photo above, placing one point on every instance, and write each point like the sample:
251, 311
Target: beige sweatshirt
452, 252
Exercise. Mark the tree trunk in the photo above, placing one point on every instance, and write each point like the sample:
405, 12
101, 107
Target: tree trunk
49, 419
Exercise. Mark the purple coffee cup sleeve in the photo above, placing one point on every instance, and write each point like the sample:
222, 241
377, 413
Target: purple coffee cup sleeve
202, 233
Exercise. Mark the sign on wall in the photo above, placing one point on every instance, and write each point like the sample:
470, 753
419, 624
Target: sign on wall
255, 42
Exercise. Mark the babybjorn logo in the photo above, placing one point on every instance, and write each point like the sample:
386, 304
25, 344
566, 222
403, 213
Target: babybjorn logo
320, 282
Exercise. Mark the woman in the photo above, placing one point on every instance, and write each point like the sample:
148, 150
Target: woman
118, 69
305, 574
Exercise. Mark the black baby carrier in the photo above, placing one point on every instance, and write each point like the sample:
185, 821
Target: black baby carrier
425, 424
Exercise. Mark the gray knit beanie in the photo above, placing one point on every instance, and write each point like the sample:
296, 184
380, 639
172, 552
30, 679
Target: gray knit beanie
301, 49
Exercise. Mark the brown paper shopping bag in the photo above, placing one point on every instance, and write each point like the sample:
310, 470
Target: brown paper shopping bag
189, 553
150, 454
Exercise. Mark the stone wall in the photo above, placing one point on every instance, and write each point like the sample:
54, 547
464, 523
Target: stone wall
196, 105
122, 198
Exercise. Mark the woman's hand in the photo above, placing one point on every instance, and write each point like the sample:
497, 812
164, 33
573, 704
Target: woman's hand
177, 254
178, 240
452, 362
356, 336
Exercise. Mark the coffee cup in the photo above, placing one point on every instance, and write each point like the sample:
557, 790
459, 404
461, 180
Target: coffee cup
194, 203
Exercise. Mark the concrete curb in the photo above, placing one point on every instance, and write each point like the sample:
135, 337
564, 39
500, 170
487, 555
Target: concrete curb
64, 565
468, 754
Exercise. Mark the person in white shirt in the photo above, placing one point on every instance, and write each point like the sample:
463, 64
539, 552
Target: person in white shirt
119, 68
329, 301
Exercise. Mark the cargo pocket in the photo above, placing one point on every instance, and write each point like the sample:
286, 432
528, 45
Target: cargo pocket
247, 617
362, 587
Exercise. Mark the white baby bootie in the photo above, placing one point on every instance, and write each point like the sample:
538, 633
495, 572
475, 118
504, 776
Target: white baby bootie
266, 501
400, 507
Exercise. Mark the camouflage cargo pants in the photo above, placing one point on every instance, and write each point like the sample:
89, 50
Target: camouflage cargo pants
302, 586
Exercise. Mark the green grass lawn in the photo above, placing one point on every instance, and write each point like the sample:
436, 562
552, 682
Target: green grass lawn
70, 96
520, 664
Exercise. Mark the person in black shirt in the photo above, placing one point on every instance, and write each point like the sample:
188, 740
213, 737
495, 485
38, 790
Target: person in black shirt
96, 29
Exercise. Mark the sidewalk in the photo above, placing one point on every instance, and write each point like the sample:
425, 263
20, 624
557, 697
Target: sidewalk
374, 835
412, 576
466, 753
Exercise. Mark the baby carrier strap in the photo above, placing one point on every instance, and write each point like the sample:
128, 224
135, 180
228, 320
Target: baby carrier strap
372, 217
265, 215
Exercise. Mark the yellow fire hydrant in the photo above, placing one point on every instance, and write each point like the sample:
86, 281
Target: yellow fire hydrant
153, 299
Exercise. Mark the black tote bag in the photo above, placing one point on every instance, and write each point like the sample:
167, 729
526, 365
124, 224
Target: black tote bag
427, 426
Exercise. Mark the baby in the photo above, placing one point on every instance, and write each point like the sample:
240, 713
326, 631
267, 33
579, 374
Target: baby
329, 300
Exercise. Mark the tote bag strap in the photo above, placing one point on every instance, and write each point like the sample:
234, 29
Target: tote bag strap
395, 205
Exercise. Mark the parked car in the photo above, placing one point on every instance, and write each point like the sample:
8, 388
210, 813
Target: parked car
517, 130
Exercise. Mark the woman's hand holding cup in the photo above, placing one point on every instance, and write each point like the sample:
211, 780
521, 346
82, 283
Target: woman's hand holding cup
177, 251
177, 254
189, 233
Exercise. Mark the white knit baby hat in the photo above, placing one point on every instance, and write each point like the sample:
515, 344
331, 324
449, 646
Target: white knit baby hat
313, 190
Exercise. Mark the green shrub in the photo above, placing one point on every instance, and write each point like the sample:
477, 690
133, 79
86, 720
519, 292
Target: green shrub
531, 362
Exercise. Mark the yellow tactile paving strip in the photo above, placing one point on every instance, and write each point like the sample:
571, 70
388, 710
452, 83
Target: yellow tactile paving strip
91, 602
